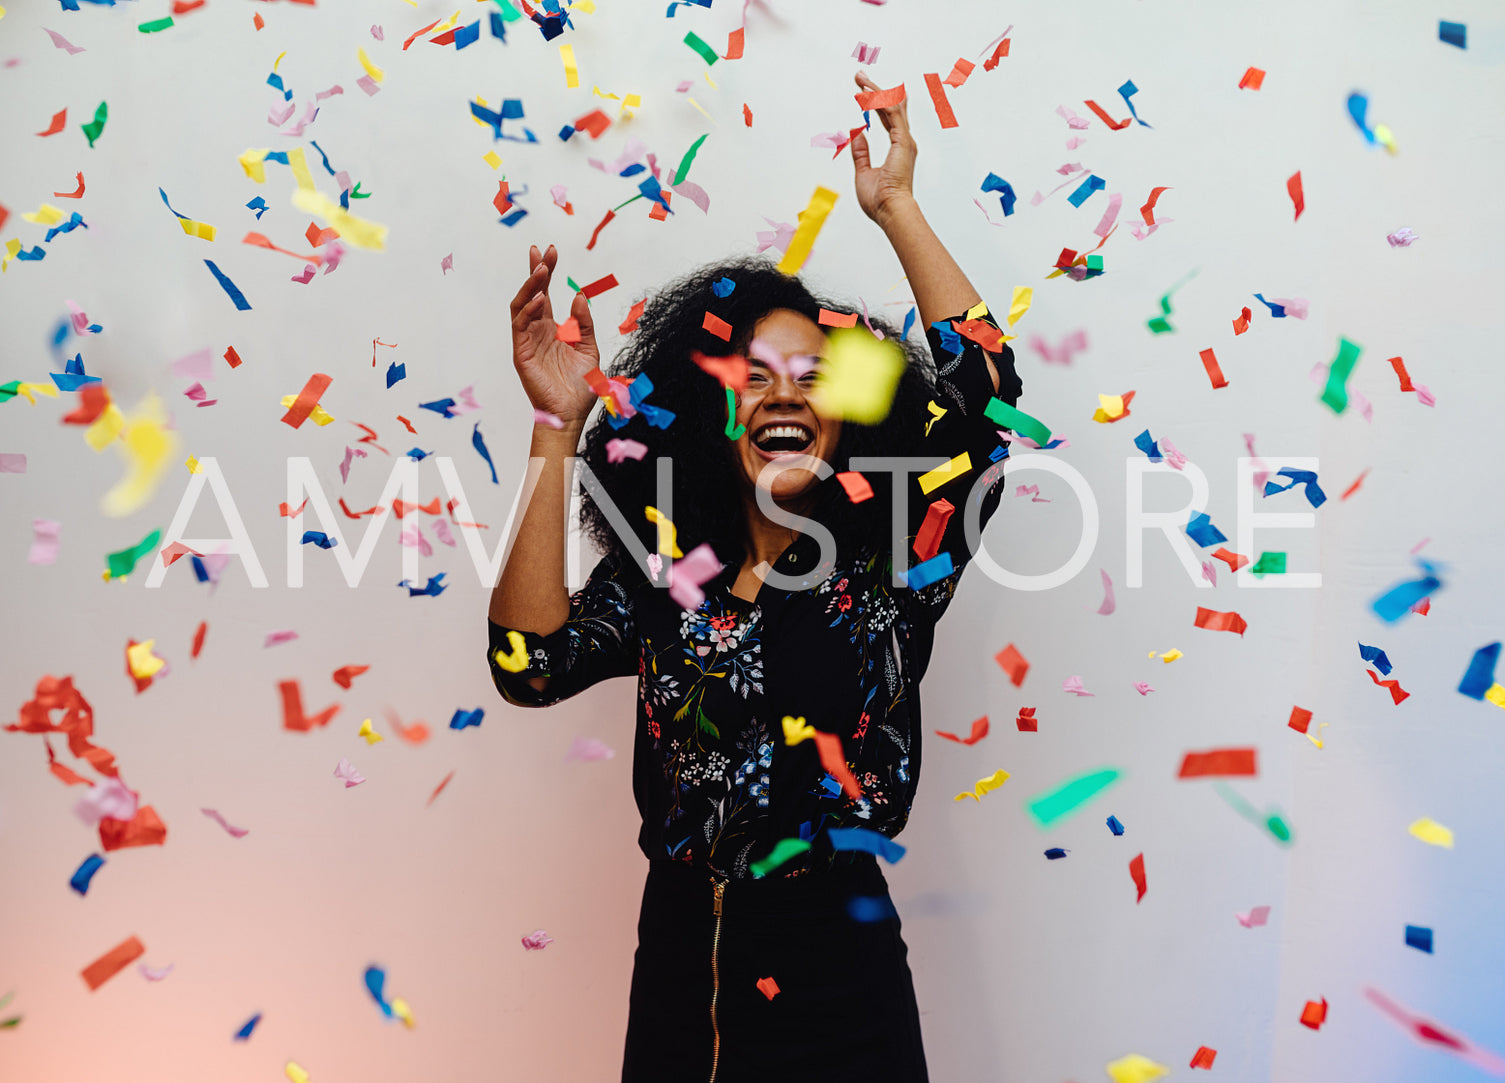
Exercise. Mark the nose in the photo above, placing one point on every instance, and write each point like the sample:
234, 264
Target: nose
785, 391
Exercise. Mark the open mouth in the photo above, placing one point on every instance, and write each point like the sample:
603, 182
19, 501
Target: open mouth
783, 439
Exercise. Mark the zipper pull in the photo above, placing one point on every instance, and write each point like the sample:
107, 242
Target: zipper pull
719, 887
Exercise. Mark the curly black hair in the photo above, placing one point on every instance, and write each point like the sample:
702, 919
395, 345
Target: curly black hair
707, 500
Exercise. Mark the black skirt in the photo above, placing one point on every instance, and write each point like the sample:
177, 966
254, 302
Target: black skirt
845, 1007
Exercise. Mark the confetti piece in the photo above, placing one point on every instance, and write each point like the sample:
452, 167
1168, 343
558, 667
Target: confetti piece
811, 219
1092, 184
1218, 761
1403, 597
717, 326
768, 987
63, 43
858, 377
307, 401
1214, 621
1298, 198
59, 119
1136, 872
694, 41
346, 772
832, 759
1135, 1068
234, 832
1116, 125
1430, 1033
1451, 33
81, 877
1432, 833
571, 68
295, 1072
112, 962
1204, 1056
77, 193
865, 841
1419, 937
293, 717
979, 731
1252, 79
1115, 826
1071, 795
1397, 693
1112, 408
1027, 722
857, 487
985, 785
1127, 92
537, 940
783, 851
1143, 688
1012, 662
250, 1025
233, 291
1269, 564
1314, 1014
1259, 915
1001, 413
1055, 853
44, 541
1109, 604
155, 25
880, 99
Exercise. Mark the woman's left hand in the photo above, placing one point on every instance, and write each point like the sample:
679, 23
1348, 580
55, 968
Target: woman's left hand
880, 188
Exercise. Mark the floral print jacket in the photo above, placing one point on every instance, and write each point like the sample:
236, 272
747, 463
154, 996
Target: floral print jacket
713, 778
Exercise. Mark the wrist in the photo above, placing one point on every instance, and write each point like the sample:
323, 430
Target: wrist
895, 211
564, 440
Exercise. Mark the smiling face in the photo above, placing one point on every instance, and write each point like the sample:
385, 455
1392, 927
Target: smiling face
781, 426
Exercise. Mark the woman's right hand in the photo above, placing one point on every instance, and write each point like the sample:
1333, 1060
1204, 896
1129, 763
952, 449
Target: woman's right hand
552, 372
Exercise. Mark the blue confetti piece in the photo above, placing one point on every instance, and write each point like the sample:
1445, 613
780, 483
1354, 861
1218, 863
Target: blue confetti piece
434, 587
466, 718
396, 372
951, 342
1127, 92
478, 442
443, 407
67, 227
258, 205
1092, 184
245, 1032
640, 388
319, 538
274, 80
1419, 937
723, 287
71, 380
929, 571
324, 157
1278, 311
277, 156
617, 421
1377, 657
994, 183
684, 4
831, 786
516, 216
35, 254
1307, 478
85, 873
651, 189
61, 333
1479, 678
1114, 826
1396, 602
1201, 530
417, 454
1453, 33
566, 133
1358, 108
163, 194
468, 35
657, 416
909, 321
871, 908
376, 981
551, 26
229, 287
1148, 446
512, 109
499, 26
1055, 853
200, 569
867, 841
633, 170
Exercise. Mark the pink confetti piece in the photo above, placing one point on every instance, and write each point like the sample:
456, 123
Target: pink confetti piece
310, 111
1031, 491
333, 253
1069, 168
589, 748
1074, 142
1294, 306
632, 154
1072, 120
1073, 344
865, 53
234, 832
1261, 468
537, 940
619, 449
695, 194
330, 93
1417, 547
109, 800
441, 531
198, 365
287, 635
560, 195
351, 453
1404, 237
151, 974
369, 85
1210, 572
1424, 396
44, 541
1110, 216
307, 276
1430, 1033
447, 264
1174, 458
1073, 684
684, 86
1257, 916
467, 401
1109, 602
868, 320
413, 538
1143, 688
81, 321
1365, 407
655, 566
1141, 232
346, 772
690, 572
779, 237
378, 33
63, 43
13, 462
279, 114
543, 417
198, 395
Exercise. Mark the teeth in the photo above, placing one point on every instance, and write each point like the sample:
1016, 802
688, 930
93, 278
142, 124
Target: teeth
777, 432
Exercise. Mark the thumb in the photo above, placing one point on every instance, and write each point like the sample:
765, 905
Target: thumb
861, 156
580, 308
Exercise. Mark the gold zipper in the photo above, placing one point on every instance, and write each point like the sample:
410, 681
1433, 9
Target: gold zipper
719, 889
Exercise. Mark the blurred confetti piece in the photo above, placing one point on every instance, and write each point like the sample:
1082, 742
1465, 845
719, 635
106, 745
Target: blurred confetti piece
235, 832
439, 788
783, 851
1134, 1068
1219, 762
346, 772
1404, 237
1066, 798
537, 940
811, 219
112, 962
1256, 916
294, 1072
81, 877
979, 731
1142, 688
588, 749
1430, 1033
1298, 197
1432, 833
148, 446
245, 1031
345, 674
63, 43
153, 974
1073, 684
1136, 871
44, 541
1012, 662
1314, 1014
867, 841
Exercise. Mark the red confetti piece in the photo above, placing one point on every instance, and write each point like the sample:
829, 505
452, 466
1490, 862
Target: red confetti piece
345, 674
502, 200
293, 717
1397, 693
1027, 722
959, 72
1147, 212
979, 731
317, 237
1116, 125
1214, 621
599, 227
599, 286
77, 193
376, 509
183, 7
1314, 1014
403, 507
1235, 561
735, 42
307, 399
59, 119
113, 961
630, 324
938, 99
660, 210
1399, 366
291, 513
1301, 718
837, 319
998, 54
595, 122
927, 542
568, 331
1219, 762
1012, 662
1136, 870
880, 99
981, 332
731, 371
63, 771
258, 22
261, 240
767, 986
1214, 370
831, 758
407, 424
415, 35
198, 636
717, 326
1293, 187
143, 829
439, 788
1204, 1055
1348, 492
232, 357
1241, 322
746, 115
1253, 79
856, 485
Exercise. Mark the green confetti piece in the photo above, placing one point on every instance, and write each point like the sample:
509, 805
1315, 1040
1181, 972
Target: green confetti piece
10, 390
571, 283
1273, 822
356, 192
95, 128
510, 14
1159, 324
1335, 394
1070, 795
783, 850
733, 433
1018, 421
10, 1023
7, 998
689, 159
706, 52
1270, 564
1095, 262
155, 25
121, 564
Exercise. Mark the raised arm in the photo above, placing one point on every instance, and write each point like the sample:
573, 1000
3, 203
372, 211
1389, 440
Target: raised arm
886, 194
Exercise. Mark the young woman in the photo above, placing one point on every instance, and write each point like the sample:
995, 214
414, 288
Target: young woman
831, 644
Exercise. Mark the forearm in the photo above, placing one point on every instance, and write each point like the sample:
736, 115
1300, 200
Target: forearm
531, 594
941, 289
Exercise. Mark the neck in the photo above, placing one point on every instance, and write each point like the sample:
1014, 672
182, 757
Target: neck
767, 540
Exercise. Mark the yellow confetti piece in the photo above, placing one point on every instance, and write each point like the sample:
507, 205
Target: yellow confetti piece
701, 109
668, 543
192, 463
517, 661
1111, 408
142, 662
2, 13
253, 162
483, 102
934, 479
298, 163
371, 69
12, 246
629, 103
811, 219
295, 1072
1023, 297
318, 415
1383, 136
197, 229
369, 734
1432, 833
1312, 737
571, 69
493, 159
46, 215
1135, 1069
976, 312
276, 63
858, 376
937, 411
356, 231
447, 25
796, 730
402, 1011
708, 79
985, 785
1171, 655
584, 7
107, 426
1496, 695
31, 390
148, 444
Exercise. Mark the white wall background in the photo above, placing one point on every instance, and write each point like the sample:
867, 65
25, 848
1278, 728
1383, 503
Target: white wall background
1026, 969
